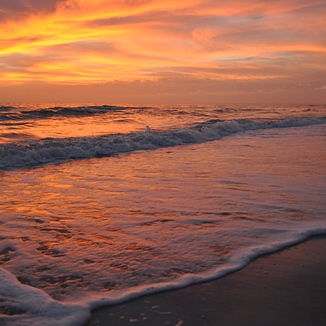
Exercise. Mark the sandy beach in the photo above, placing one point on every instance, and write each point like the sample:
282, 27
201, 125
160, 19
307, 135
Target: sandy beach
284, 288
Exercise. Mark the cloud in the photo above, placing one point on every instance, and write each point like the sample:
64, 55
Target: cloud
136, 2
11, 42
147, 17
83, 42
16, 9
310, 9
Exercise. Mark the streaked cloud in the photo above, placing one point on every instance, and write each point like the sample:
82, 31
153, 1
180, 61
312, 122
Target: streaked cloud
19, 9
83, 42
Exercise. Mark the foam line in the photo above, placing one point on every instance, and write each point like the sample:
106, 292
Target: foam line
44, 151
32, 306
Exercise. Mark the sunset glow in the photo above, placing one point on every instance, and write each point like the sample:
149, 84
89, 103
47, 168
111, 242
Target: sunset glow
199, 50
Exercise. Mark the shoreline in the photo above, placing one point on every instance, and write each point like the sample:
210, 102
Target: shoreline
281, 288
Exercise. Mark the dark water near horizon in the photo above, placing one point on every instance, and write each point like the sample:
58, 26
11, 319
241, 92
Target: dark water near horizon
102, 203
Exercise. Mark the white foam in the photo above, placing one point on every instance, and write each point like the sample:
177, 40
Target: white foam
235, 262
26, 154
244, 239
35, 307
38, 308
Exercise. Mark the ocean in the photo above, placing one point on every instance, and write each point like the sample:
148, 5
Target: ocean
100, 204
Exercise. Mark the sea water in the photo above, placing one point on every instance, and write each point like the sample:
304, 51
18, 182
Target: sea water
100, 204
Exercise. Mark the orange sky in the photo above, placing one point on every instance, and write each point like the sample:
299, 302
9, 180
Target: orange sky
137, 51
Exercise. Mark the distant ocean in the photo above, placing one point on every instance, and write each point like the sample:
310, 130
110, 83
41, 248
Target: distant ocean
100, 204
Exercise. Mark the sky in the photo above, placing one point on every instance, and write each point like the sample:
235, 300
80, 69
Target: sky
172, 51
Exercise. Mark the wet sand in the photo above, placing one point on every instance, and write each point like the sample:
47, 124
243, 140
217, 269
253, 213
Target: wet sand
284, 288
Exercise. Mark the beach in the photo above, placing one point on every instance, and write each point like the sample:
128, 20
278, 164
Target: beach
98, 220
284, 288
162, 163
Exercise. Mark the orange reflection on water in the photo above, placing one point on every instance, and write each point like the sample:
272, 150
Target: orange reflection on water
104, 224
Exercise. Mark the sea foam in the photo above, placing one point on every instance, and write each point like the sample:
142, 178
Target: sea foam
26, 305
52, 150
286, 207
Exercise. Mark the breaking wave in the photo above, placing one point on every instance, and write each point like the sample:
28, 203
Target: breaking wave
55, 150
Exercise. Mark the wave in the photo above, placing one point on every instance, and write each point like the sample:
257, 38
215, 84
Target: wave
55, 150
4, 108
26, 305
8, 113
